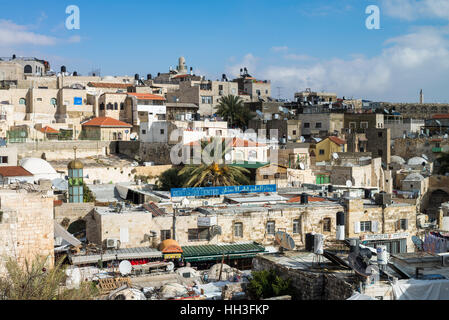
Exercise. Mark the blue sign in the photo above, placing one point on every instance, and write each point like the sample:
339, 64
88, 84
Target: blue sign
215, 191
77, 101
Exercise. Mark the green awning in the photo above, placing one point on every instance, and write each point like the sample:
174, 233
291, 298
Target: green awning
213, 252
249, 165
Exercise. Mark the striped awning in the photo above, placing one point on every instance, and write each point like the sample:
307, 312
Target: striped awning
230, 251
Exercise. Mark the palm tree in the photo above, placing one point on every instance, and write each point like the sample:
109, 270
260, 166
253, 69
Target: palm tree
216, 173
232, 109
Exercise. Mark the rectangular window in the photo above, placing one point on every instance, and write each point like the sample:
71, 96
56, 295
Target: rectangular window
200, 234
318, 125
296, 226
364, 125
238, 229
271, 227
144, 131
352, 125
379, 134
165, 234
306, 125
321, 152
220, 87
206, 99
162, 131
403, 223
365, 226
326, 224
3, 159
294, 132
265, 177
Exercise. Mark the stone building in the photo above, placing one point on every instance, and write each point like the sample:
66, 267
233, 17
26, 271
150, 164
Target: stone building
321, 124
106, 129
416, 110
26, 226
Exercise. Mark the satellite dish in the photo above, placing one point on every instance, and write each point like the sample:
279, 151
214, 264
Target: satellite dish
302, 139
228, 157
349, 183
424, 157
170, 266
335, 156
260, 114
125, 267
133, 136
284, 240
302, 166
185, 202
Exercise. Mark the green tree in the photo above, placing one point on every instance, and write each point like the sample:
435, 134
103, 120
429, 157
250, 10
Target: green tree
214, 171
88, 195
34, 282
443, 160
267, 284
232, 109
170, 179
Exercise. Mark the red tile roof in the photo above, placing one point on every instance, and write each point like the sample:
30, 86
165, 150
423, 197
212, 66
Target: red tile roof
109, 85
311, 199
441, 116
48, 129
14, 171
337, 140
106, 122
236, 142
146, 96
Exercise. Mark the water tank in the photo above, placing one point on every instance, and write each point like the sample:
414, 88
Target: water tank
149, 76
13, 56
136, 76
75, 74
382, 255
63, 69
330, 188
309, 242
304, 198
318, 244
340, 225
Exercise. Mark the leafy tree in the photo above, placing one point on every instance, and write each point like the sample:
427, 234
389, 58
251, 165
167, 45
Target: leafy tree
88, 196
214, 172
34, 282
232, 109
267, 284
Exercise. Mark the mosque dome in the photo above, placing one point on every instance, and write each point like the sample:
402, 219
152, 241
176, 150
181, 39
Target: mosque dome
397, 159
415, 161
37, 166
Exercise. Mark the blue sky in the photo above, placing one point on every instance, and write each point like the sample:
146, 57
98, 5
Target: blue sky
319, 44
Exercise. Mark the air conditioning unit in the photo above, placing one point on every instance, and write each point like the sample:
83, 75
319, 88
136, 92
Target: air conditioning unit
112, 243
444, 259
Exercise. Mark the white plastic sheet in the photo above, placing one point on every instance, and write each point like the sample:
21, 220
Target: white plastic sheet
359, 296
421, 290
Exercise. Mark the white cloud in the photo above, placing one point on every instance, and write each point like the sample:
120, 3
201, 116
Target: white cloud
298, 57
416, 9
13, 34
406, 64
74, 39
249, 61
279, 49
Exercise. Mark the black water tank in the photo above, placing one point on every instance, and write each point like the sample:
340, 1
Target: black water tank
304, 198
330, 188
75, 74
367, 193
136, 76
149, 76
63, 69
310, 238
340, 218
13, 56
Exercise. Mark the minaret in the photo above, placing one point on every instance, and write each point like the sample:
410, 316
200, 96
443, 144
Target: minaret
421, 97
76, 192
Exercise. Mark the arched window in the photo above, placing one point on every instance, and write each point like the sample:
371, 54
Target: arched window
53, 101
22, 101
28, 69
110, 106
116, 106
434, 109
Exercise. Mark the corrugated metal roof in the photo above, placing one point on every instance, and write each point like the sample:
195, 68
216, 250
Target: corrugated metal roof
121, 254
220, 249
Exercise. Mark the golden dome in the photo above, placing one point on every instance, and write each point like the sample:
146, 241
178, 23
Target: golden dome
75, 164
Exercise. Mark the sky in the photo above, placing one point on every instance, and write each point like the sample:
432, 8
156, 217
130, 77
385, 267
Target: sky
297, 44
